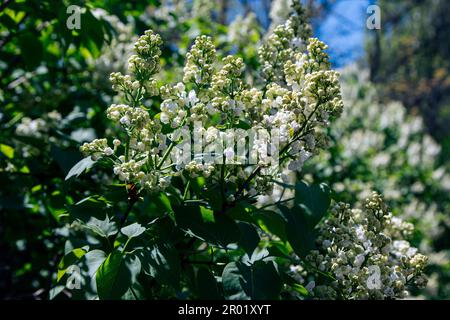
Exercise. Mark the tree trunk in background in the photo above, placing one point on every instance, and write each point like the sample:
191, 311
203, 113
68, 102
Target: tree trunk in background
223, 11
375, 56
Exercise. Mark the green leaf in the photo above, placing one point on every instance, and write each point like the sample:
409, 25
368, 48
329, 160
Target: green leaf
316, 198
68, 260
242, 211
65, 158
7, 150
161, 261
211, 227
116, 193
93, 260
300, 289
272, 222
249, 237
116, 275
31, 50
214, 196
8, 22
80, 167
259, 281
207, 215
197, 185
258, 254
93, 35
133, 230
297, 287
104, 228
207, 285
279, 249
243, 125
55, 291
87, 208
299, 234
159, 204
165, 201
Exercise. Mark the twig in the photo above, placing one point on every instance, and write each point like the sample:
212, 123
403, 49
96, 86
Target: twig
186, 190
132, 199
247, 181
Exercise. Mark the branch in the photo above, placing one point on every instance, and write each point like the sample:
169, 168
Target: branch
132, 199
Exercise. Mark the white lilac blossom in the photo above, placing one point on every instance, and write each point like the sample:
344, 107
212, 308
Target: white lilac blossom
243, 31
168, 9
382, 147
111, 58
279, 11
32, 127
176, 12
97, 148
199, 61
143, 65
213, 99
284, 43
365, 255
202, 9
38, 128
